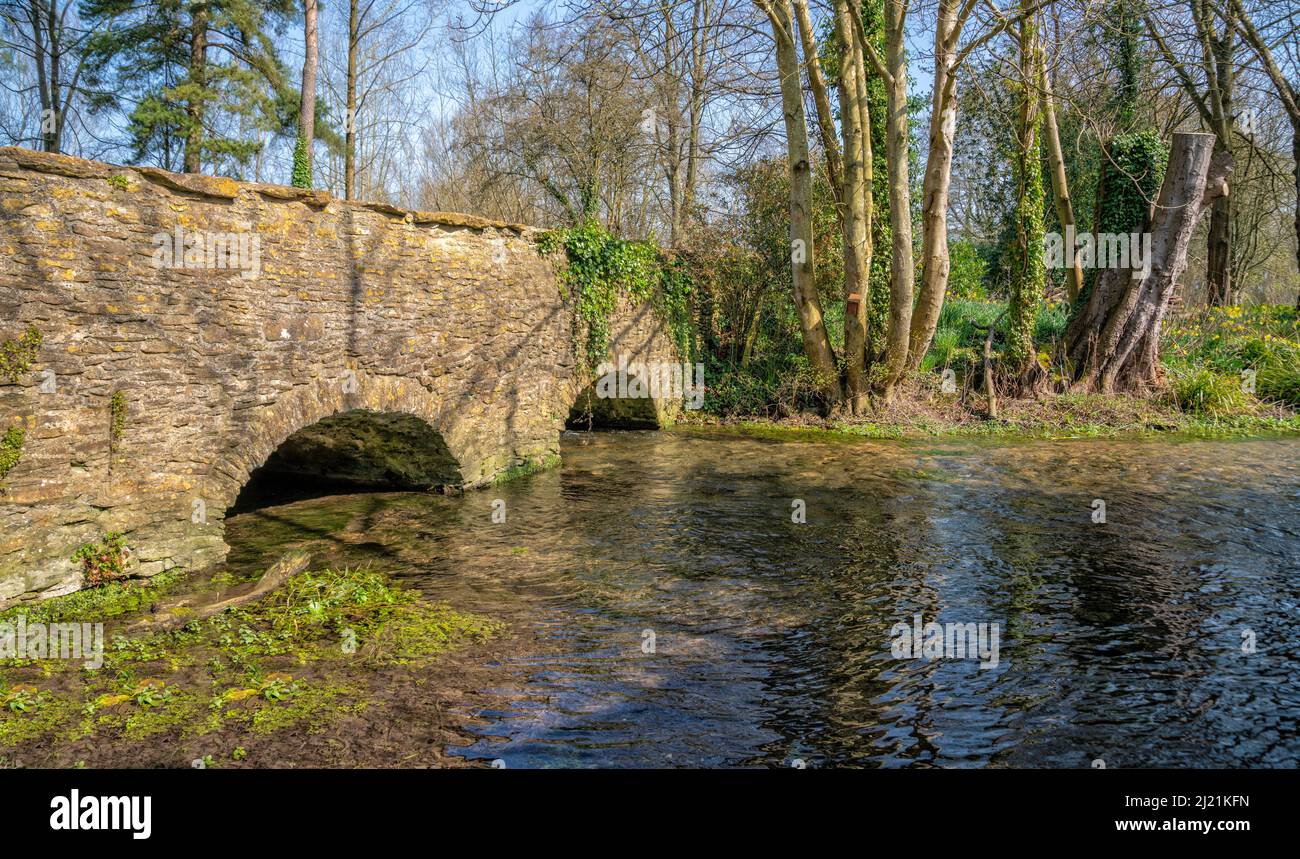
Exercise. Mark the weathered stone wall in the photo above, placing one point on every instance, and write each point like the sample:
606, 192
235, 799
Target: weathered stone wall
452, 319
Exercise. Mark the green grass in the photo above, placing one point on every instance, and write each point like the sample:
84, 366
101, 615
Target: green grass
1228, 341
210, 673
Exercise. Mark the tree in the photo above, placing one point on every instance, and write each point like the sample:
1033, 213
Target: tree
687, 52
50, 37
893, 71
1214, 44
1113, 341
849, 170
817, 345
1282, 32
1020, 359
949, 56
302, 155
200, 77
1060, 183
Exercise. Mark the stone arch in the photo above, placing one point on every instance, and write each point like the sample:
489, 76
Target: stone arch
326, 403
590, 410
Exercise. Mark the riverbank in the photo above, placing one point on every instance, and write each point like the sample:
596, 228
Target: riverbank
339, 667
923, 411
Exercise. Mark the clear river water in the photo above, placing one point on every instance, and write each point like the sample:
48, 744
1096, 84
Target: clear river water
685, 619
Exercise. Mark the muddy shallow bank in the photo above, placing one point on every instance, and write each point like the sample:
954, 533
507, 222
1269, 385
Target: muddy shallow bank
656, 602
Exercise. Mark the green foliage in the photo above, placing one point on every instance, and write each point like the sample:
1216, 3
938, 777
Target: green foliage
22, 699
1228, 340
278, 688
11, 449
138, 60
151, 693
774, 386
959, 335
1280, 382
527, 467
966, 271
1050, 322
17, 356
1125, 31
119, 181
1132, 170
97, 604
104, 561
301, 165
601, 267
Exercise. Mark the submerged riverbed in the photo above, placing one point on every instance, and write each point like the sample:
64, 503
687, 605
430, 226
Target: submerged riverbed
679, 617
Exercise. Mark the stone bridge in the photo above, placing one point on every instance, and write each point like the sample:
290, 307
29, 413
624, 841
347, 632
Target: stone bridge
194, 330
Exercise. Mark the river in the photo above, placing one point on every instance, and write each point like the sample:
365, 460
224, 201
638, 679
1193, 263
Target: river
685, 619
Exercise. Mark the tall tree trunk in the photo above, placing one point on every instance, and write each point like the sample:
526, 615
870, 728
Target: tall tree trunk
1221, 78
935, 185
902, 270
863, 104
307, 105
1020, 359
855, 224
1113, 342
821, 98
194, 107
350, 132
1060, 185
1218, 276
817, 344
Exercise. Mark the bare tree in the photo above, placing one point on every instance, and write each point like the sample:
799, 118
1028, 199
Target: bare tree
1283, 34
816, 342
49, 36
1209, 80
892, 69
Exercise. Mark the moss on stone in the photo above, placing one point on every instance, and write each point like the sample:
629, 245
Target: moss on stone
527, 467
11, 449
18, 355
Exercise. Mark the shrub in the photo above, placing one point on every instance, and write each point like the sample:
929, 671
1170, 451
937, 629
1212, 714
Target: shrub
17, 356
104, 561
601, 266
966, 271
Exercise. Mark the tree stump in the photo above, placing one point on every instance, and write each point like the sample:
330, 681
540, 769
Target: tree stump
1113, 341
